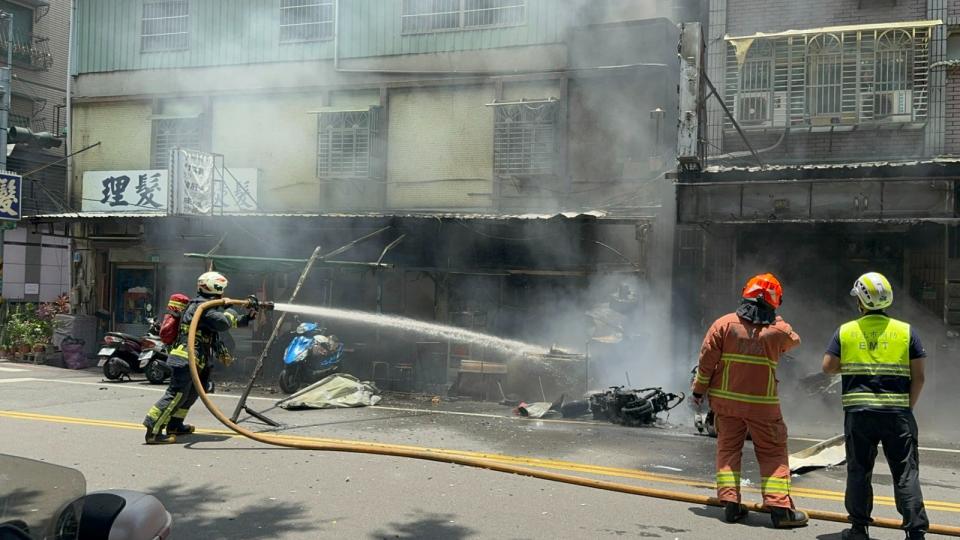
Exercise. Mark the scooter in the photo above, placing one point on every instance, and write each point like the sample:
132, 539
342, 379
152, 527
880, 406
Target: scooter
120, 354
309, 357
153, 360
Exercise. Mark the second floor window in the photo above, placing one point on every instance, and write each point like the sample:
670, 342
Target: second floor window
306, 20
348, 144
170, 133
423, 16
826, 77
166, 25
525, 139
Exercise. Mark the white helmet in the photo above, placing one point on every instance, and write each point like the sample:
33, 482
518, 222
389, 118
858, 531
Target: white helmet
212, 284
873, 290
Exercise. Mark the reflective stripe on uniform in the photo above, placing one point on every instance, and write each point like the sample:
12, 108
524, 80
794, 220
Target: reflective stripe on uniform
728, 479
231, 317
876, 400
852, 368
775, 485
747, 359
745, 398
702, 379
167, 413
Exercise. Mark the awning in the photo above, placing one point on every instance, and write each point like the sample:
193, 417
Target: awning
584, 215
845, 28
742, 43
920, 169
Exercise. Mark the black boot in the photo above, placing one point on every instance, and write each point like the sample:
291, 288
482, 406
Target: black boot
916, 535
787, 518
857, 532
159, 438
180, 429
733, 512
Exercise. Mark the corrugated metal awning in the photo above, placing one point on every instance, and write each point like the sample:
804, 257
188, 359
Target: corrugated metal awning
593, 214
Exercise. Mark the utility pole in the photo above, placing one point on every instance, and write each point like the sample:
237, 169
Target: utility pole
7, 83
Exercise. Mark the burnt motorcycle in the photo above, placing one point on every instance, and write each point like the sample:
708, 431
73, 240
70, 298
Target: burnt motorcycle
632, 407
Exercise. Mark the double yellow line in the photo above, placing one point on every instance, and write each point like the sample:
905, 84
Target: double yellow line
549, 464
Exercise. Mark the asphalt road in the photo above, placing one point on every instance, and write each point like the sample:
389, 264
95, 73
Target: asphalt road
220, 486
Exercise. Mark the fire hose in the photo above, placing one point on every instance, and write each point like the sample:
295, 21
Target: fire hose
432, 455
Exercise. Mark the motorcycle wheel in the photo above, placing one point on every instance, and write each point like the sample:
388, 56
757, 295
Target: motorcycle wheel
289, 381
155, 372
112, 370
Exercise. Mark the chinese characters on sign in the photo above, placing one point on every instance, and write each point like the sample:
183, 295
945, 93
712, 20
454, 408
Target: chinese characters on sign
10, 196
125, 191
149, 191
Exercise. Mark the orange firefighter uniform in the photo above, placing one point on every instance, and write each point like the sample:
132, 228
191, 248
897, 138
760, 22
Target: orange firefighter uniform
738, 371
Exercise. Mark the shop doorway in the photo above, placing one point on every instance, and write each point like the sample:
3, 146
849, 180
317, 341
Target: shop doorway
134, 299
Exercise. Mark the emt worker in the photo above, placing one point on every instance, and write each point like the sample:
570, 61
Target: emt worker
881, 362
737, 370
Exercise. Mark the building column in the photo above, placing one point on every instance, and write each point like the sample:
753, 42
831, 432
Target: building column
935, 131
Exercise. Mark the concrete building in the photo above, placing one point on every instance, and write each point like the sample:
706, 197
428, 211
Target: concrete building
838, 156
35, 267
465, 125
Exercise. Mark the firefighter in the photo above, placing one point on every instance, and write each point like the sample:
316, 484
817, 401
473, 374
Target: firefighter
881, 362
737, 371
170, 411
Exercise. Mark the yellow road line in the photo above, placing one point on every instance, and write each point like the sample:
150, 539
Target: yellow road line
820, 494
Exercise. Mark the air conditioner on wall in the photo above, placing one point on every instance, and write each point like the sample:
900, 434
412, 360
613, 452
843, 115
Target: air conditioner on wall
753, 108
895, 105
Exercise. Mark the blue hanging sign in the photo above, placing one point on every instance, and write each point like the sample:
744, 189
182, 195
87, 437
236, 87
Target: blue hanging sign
11, 193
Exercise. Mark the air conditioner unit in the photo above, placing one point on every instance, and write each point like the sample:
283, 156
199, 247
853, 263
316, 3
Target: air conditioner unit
896, 105
753, 108
780, 108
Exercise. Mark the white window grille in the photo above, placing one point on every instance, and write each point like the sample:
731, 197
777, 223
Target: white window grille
756, 78
525, 139
306, 20
893, 75
827, 78
825, 74
349, 144
170, 133
166, 26
423, 16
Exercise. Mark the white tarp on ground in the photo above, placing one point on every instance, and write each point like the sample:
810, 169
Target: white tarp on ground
336, 391
828, 453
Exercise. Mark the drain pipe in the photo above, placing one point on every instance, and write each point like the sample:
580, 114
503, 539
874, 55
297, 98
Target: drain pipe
449, 456
336, 35
69, 98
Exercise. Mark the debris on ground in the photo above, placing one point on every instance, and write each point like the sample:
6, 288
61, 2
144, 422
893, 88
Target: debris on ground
637, 407
335, 391
539, 409
828, 453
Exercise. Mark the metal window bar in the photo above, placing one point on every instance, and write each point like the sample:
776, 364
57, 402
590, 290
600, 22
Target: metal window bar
166, 26
825, 77
170, 133
344, 142
423, 16
493, 12
306, 20
420, 16
525, 139
853, 77
754, 97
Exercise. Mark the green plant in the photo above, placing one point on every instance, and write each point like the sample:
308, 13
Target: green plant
27, 325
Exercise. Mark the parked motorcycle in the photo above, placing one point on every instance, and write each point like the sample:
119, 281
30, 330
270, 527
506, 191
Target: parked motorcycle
119, 356
310, 356
153, 360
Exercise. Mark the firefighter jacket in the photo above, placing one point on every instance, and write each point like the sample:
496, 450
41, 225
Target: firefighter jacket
208, 343
875, 363
738, 366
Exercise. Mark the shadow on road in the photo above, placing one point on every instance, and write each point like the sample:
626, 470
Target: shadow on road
198, 512
831, 536
426, 526
754, 519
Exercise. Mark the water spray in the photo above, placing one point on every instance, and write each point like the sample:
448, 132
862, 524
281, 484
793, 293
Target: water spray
444, 456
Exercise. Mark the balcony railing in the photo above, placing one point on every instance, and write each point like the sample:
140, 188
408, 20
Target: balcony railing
29, 50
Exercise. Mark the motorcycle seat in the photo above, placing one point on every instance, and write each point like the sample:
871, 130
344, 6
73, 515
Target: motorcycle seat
124, 336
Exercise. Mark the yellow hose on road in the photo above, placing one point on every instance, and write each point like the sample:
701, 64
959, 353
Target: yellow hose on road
427, 454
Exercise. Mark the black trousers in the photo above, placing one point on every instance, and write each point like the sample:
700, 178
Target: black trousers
898, 433
172, 408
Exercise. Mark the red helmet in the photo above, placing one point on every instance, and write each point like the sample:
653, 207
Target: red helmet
764, 286
178, 302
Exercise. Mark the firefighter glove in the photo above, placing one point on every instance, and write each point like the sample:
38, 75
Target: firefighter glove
225, 358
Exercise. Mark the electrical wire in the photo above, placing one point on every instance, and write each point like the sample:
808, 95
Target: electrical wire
441, 456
